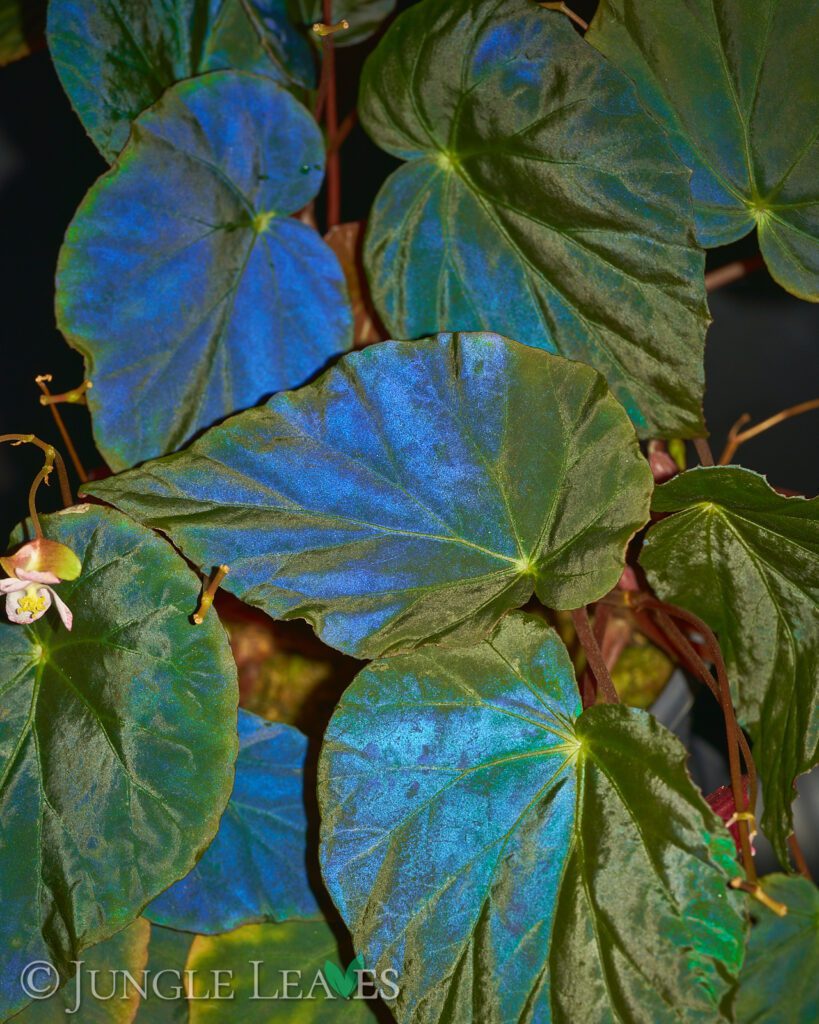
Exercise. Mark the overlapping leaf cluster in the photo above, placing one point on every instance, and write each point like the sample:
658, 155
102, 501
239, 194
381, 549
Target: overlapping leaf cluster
505, 853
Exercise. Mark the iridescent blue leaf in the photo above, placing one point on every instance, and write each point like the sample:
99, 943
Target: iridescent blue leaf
116, 57
255, 869
539, 200
515, 860
417, 491
184, 282
735, 86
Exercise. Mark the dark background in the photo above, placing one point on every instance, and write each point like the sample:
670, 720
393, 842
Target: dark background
762, 351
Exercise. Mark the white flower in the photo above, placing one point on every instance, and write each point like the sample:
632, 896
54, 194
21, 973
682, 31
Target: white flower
28, 597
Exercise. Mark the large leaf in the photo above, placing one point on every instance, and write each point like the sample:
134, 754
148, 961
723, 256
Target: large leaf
780, 978
165, 1001
126, 951
22, 23
255, 869
117, 744
513, 861
746, 560
182, 280
539, 201
116, 57
417, 491
364, 17
735, 85
300, 947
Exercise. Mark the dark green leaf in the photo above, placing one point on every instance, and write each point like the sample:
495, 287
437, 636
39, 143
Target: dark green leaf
116, 57
363, 16
126, 951
255, 869
515, 860
182, 280
301, 947
735, 86
416, 491
117, 744
780, 979
539, 201
746, 560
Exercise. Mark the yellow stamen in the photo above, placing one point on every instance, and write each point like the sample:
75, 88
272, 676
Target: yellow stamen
323, 30
34, 604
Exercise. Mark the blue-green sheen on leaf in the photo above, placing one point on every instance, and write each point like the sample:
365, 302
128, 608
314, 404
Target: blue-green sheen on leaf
735, 86
183, 281
539, 200
256, 867
117, 744
746, 560
415, 492
125, 951
780, 978
515, 860
115, 58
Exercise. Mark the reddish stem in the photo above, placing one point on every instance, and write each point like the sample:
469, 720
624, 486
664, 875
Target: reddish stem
331, 122
597, 663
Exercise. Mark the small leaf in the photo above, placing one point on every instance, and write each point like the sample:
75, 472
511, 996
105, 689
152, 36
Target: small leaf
22, 26
165, 1002
539, 200
305, 948
126, 951
778, 982
115, 58
182, 280
515, 860
364, 17
255, 869
746, 560
117, 744
415, 492
714, 75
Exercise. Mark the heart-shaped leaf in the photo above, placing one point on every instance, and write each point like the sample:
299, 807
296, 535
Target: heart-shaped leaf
513, 861
746, 560
298, 947
539, 200
126, 951
364, 17
117, 744
115, 58
255, 869
779, 978
415, 492
182, 280
714, 75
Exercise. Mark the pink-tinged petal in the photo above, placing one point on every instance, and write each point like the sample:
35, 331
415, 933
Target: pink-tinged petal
37, 577
64, 611
43, 556
11, 585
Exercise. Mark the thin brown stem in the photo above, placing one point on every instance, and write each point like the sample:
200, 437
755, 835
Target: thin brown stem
736, 436
52, 459
736, 742
732, 272
755, 889
208, 594
594, 656
331, 120
344, 130
799, 861
74, 396
703, 450
569, 13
